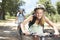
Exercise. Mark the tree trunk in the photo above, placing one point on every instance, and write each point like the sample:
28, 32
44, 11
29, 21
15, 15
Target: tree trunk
11, 14
3, 10
2, 15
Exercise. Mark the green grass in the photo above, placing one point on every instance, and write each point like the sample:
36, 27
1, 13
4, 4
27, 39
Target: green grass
10, 17
7, 18
2, 21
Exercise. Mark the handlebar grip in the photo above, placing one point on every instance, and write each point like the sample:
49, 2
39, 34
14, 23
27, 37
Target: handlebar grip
51, 34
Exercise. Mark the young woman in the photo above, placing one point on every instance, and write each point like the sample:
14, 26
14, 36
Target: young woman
36, 23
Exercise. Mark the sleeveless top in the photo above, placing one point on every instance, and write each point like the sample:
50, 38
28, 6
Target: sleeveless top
36, 29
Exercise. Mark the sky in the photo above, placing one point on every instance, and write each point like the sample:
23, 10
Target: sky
54, 2
0, 0
29, 5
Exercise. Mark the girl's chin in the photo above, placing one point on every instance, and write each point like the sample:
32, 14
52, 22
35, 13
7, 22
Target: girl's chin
39, 18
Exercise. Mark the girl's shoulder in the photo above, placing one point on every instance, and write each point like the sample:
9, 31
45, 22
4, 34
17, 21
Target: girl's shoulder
30, 17
33, 17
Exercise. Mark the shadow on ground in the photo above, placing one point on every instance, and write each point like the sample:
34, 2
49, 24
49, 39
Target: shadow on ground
6, 33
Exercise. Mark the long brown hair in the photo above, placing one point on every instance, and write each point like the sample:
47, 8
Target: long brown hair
41, 21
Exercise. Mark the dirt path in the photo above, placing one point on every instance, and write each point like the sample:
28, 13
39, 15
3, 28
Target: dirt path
8, 31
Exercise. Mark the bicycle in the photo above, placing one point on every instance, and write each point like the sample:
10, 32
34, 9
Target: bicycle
43, 37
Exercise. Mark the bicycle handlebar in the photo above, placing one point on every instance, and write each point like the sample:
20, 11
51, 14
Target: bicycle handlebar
48, 35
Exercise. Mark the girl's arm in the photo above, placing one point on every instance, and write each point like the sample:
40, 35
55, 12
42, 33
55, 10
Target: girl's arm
25, 22
52, 25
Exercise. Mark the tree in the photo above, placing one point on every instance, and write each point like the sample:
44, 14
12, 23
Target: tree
49, 7
58, 7
42, 1
22, 2
10, 6
3, 9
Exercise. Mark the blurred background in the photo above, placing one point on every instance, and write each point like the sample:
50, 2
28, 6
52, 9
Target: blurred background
9, 9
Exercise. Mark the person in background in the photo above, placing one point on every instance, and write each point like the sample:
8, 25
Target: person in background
36, 23
20, 18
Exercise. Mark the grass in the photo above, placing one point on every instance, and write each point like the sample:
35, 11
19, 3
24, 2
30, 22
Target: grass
8, 18
2, 21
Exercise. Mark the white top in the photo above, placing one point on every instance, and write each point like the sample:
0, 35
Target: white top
20, 17
36, 29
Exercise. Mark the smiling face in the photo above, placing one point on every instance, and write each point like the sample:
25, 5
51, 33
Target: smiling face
39, 13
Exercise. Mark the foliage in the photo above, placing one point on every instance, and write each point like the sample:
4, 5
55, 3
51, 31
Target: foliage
10, 6
58, 7
54, 18
49, 7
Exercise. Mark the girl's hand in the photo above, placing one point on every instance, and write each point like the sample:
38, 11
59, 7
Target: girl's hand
56, 33
26, 33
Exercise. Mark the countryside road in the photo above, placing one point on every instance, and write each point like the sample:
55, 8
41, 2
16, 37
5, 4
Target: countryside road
7, 33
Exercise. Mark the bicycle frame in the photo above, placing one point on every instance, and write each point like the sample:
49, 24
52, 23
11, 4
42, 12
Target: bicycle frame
43, 37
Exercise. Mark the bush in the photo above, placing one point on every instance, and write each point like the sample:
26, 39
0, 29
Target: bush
54, 18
